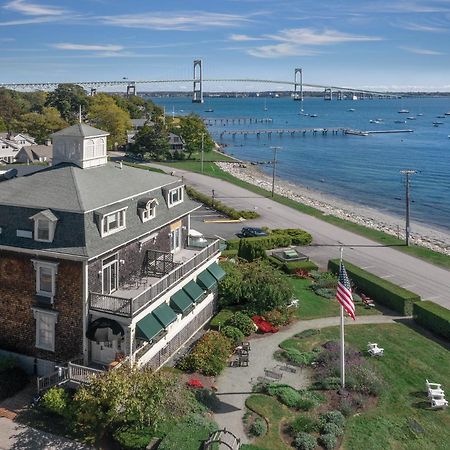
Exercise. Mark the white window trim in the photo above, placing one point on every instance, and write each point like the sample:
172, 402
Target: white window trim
53, 266
53, 315
51, 230
150, 206
169, 198
124, 225
104, 266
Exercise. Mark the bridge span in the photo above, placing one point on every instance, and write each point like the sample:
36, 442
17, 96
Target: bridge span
296, 85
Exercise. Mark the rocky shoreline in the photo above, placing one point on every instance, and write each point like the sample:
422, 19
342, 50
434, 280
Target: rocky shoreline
422, 235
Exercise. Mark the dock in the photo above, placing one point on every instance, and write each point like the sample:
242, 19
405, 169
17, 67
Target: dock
235, 120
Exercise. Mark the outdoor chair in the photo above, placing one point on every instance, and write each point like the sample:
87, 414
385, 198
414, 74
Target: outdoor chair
438, 401
246, 346
435, 392
243, 360
432, 385
374, 350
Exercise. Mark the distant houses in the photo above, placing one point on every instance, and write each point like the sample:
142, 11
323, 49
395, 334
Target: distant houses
35, 154
10, 145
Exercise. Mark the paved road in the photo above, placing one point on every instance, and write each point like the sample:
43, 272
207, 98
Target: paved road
431, 282
235, 383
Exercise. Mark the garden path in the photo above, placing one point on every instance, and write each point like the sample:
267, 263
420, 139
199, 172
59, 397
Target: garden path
234, 385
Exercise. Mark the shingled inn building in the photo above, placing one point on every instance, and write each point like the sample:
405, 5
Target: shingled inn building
97, 263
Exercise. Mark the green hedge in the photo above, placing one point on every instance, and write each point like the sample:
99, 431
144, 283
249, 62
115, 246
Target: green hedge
220, 318
291, 266
434, 317
280, 238
381, 291
219, 206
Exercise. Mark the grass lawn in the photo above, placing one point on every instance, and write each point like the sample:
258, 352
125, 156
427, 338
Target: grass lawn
211, 169
275, 413
402, 419
312, 306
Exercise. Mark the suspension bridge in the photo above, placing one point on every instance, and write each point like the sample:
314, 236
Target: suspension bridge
296, 85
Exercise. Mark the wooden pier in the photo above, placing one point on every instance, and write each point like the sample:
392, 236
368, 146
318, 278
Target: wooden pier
235, 120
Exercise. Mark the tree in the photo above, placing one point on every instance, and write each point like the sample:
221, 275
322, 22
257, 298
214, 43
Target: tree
10, 110
41, 126
152, 139
191, 128
105, 114
67, 99
136, 106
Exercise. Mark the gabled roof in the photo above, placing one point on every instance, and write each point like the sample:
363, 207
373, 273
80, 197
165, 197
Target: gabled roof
81, 130
46, 214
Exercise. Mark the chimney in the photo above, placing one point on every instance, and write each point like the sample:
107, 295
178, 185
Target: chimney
48, 142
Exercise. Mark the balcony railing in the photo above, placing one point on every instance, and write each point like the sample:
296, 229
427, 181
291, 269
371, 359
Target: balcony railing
129, 307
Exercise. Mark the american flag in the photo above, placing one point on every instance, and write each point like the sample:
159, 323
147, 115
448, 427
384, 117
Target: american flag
344, 292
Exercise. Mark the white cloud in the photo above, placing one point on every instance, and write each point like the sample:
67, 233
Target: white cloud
422, 51
189, 21
245, 38
87, 47
425, 28
298, 41
35, 20
31, 9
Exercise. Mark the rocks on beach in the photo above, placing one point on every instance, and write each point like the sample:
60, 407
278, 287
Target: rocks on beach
438, 242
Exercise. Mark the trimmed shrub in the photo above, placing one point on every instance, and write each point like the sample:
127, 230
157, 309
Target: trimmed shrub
382, 291
220, 318
258, 427
328, 441
298, 358
305, 404
304, 423
433, 317
57, 401
277, 317
285, 394
298, 236
324, 292
242, 322
304, 441
332, 428
335, 417
346, 407
133, 439
209, 355
307, 333
235, 334
328, 383
251, 250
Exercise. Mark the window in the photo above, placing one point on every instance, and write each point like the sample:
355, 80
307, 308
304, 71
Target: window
45, 278
175, 196
45, 328
111, 223
44, 226
148, 211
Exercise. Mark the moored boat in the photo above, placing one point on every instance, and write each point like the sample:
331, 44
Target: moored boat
403, 111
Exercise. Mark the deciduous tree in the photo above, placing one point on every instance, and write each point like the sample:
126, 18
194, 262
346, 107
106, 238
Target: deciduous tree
67, 99
191, 128
152, 140
41, 126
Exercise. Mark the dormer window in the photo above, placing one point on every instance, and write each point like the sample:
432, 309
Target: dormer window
147, 209
175, 196
113, 222
44, 226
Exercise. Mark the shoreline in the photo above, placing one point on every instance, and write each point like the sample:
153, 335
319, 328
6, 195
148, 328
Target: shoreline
421, 235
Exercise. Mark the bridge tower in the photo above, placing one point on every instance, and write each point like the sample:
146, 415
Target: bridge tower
328, 94
93, 91
298, 84
197, 94
131, 89
338, 95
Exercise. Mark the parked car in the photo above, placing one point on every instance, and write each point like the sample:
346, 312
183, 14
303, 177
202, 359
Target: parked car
252, 232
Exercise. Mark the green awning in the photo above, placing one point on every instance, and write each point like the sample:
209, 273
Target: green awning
148, 328
181, 302
206, 280
216, 271
194, 291
165, 314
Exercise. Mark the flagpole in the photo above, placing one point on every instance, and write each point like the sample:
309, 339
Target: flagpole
342, 341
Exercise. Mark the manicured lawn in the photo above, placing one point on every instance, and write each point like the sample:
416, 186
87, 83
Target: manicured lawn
275, 413
402, 418
312, 306
211, 169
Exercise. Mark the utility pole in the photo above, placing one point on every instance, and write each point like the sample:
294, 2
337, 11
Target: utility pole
274, 163
407, 173
203, 144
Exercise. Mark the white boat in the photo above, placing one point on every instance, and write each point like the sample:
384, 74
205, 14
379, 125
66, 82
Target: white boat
403, 111
313, 115
440, 117
351, 110
354, 97
420, 114
411, 118
399, 121
447, 113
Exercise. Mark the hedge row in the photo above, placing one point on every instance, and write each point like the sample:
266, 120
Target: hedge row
434, 317
275, 240
291, 266
382, 291
219, 206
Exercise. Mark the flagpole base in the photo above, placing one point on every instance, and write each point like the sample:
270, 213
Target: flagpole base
343, 392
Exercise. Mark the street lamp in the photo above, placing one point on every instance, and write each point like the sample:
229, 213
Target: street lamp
274, 163
407, 173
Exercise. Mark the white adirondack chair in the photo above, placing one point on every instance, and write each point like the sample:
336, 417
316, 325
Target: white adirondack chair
435, 392
432, 385
374, 350
438, 401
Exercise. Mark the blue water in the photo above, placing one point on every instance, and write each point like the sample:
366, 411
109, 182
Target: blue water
360, 169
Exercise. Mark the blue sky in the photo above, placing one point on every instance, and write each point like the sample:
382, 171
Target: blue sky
397, 44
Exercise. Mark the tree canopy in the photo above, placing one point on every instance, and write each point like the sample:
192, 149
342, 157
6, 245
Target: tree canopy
67, 99
105, 114
152, 140
42, 125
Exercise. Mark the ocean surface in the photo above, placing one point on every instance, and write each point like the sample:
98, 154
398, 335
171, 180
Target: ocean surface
359, 169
